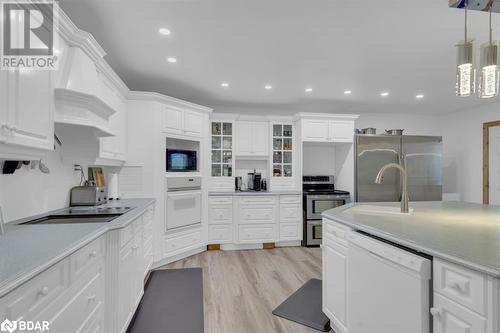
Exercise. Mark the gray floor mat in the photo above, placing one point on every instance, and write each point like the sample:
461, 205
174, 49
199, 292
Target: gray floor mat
305, 307
172, 303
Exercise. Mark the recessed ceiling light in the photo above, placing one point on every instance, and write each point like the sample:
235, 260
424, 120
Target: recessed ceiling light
308, 90
347, 92
384, 94
268, 87
419, 96
164, 31
172, 60
224, 84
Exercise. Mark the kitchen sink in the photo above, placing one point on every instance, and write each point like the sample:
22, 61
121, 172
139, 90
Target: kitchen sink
377, 210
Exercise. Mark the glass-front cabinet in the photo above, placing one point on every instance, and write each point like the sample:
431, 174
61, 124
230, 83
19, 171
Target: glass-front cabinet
282, 159
222, 149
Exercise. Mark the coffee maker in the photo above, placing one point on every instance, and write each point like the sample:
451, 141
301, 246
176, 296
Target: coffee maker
254, 181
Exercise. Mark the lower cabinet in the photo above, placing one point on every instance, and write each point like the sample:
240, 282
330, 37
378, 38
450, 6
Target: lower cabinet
335, 282
450, 317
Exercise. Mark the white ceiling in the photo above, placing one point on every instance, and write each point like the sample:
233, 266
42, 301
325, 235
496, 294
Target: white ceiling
404, 47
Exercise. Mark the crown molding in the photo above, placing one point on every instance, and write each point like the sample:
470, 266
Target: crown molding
339, 116
171, 101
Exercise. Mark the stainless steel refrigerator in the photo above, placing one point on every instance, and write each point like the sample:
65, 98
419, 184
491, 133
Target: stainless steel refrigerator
420, 155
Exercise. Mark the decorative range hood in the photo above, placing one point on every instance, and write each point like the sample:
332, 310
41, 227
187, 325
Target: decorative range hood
77, 100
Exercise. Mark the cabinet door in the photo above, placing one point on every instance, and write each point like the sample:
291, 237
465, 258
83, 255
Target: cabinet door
449, 317
334, 284
315, 130
260, 139
31, 118
173, 120
193, 123
243, 138
341, 131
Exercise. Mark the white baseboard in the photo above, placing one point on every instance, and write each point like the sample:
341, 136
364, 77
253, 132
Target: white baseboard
168, 260
288, 243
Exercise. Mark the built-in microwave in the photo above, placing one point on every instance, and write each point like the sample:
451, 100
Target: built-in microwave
179, 160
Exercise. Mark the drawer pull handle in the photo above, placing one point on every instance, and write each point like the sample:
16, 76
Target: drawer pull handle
92, 254
43, 291
436, 313
91, 298
135, 247
460, 287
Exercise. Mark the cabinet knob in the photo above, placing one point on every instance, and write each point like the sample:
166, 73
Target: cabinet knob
91, 298
43, 291
135, 247
457, 286
92, 254
436, 312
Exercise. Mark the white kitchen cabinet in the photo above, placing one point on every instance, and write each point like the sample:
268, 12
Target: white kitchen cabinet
334, 128
335, 257
182, 121
114, 148
252, 139
290, 218
27, 115
450, 317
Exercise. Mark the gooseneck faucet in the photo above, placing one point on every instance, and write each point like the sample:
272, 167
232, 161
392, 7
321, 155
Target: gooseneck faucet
402, 170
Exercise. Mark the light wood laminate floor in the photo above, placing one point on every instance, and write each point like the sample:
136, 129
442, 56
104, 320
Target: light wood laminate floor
241, 288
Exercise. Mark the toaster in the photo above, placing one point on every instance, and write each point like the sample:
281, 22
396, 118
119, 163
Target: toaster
87, 196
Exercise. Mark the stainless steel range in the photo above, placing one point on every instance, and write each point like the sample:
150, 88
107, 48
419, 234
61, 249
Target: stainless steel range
319, 195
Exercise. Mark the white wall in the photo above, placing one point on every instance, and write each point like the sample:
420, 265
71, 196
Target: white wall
412, 124
463, 155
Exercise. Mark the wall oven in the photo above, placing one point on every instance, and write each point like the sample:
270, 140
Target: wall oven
318, 203
183, 202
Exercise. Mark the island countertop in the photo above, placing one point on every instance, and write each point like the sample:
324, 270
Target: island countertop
465, 233
26, 250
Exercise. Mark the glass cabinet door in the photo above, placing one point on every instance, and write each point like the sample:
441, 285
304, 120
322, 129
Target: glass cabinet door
222, 149
282, 150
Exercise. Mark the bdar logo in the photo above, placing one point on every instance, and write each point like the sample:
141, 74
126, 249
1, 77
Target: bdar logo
8, 326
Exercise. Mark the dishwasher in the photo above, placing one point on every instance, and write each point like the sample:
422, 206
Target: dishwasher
389, 288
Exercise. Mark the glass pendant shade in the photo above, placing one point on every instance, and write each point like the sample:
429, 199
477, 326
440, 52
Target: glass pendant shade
466, 73
490, 76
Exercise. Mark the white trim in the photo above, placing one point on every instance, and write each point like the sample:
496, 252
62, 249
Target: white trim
306, 115
164, 99
165, 261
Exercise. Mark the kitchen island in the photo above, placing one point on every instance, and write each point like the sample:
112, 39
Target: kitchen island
460, 241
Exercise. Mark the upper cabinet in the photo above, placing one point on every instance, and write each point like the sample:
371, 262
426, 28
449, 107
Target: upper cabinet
26, 113
327, 128
252, 139
182, 121
222, 164
282, 150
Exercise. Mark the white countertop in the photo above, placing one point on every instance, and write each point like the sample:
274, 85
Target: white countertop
465, 233
26, 250
257, 193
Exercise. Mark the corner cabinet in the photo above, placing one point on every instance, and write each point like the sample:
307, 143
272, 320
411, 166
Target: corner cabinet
27, 110
328, 128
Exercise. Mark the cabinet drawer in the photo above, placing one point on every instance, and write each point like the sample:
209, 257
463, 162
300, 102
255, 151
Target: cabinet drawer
465, 286
249, 215
216, 200
181, 242
264, 200
86, 302
290, 199
220, 234
290, 231
86, 257
220, 214
32, 297
256, 233
450, 317
290, 213
335, 232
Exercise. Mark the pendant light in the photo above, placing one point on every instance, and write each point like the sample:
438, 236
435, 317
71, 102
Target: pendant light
466, 73
488, 86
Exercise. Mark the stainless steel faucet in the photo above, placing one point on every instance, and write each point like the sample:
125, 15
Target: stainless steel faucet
2, 226
402, 170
